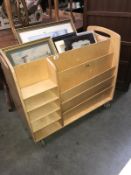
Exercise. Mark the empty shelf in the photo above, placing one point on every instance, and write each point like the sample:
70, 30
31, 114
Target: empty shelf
37, 88
70, 93
47, 131
44, 122
40, 100
43, 111
87, 106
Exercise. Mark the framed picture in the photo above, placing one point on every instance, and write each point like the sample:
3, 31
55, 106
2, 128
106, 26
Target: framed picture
40, 31
79, 41
26, 53
59, 41
89, 33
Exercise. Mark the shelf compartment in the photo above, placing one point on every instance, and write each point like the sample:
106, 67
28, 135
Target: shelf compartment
44, 122
89, 61
44, 111
85, 95
37, 88
41, 134
76, 57
87, 106
41, 99
87, 84
32, 72
86, 71
93, 96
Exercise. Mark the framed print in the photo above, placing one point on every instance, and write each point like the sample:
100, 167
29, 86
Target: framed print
59, 41
89, 33
60, 45
79, 41
62, 37
40, 31
30, 52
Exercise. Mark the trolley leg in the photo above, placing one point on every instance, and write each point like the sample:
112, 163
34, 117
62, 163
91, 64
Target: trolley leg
43, 143
107, 105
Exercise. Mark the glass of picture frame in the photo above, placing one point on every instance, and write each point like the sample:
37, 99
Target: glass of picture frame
31, 51
54, 29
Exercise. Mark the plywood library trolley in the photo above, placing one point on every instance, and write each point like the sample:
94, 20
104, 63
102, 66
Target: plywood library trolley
55, 91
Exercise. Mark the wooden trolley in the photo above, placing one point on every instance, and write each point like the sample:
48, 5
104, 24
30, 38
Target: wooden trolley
53, 92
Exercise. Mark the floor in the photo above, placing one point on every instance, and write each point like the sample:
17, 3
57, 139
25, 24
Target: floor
99, 144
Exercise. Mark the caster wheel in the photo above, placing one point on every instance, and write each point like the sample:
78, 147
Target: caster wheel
43, 143
107, 105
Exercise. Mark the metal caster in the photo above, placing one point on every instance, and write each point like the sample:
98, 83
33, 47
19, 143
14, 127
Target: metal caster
107, 105
43, 143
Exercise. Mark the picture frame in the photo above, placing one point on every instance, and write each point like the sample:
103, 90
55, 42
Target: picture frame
59, 41
29, 52
89, 33
39, 31
79, 41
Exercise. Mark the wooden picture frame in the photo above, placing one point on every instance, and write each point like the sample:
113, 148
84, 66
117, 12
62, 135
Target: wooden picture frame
31, 51
54, 29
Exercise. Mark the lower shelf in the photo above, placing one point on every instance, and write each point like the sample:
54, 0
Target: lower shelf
70, 93
44, 122
47, 131
44, 111
87, 106
40, 100
51, 123
85, 95
74, 114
